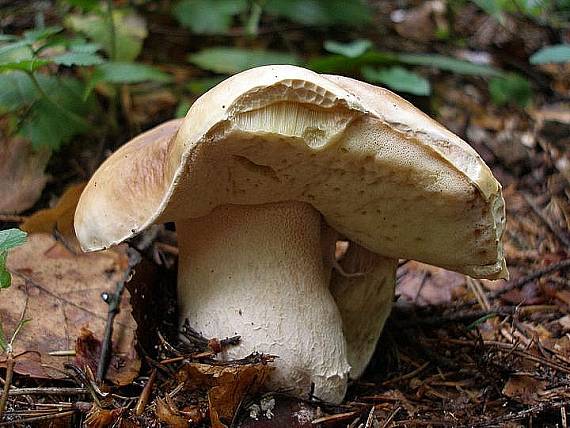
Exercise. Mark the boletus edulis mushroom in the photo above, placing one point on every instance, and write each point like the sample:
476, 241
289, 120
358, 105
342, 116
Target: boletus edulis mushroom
264, 174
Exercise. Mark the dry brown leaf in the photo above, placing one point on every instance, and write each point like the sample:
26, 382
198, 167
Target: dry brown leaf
228, 385
428, 285
122, 368
420, 23
59, 292
524, 389
58, 219
167, 413
116, 418
21, 174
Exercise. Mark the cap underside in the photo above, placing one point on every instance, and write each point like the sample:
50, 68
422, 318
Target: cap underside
400, 190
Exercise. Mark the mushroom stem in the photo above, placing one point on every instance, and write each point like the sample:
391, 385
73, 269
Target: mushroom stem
364, 301
258, 272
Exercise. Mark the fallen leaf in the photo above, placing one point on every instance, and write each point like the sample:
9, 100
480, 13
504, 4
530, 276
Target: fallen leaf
228, 384
524, 389
59, 219
60, 292
21, 174
122, 368
427, 285
529, 294
167, 413
116, 418
421, 23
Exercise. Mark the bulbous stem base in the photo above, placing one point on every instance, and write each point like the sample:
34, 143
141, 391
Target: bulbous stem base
258, 272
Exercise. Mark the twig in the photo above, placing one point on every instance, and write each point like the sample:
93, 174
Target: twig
145, 394
39, 418
513, 348
391, 417
535, 275
370, 419
457, 317
7, 384
48, 391
407, 375
114, 302
553, 228
334, 418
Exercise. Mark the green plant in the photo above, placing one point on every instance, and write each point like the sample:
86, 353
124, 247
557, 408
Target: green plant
46, 109
216, 16
551, 54
49, 107
9, 239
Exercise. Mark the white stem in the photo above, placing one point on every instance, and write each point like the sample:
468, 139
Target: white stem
364, 301
258, 271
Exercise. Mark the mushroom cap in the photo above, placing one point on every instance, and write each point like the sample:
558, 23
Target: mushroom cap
380, 171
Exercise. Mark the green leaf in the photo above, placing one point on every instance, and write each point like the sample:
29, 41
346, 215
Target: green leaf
15, 52
342, 65
399, 79
49, 126
448, 64
126, 72
11, 238
43, 124
49, 120
78, 58
354, 13
130, 32
551, 54
199, 86
512, 88
5, 277
80, 46
3, 341
27, 65
182, 109
42, 33
208, 16
7, 38
492, 8
234, 60
350, 50
16, 91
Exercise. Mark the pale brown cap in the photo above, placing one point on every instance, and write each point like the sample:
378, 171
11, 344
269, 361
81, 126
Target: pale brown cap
380, 171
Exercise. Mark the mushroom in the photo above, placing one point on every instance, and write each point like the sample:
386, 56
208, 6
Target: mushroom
264, 174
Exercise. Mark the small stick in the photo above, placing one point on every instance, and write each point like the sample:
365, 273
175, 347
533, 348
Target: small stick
406, 376
370, 419
38, 418
334, 418
535, 275
49, 391
391, 417
8, 382
114, 302
145, 394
